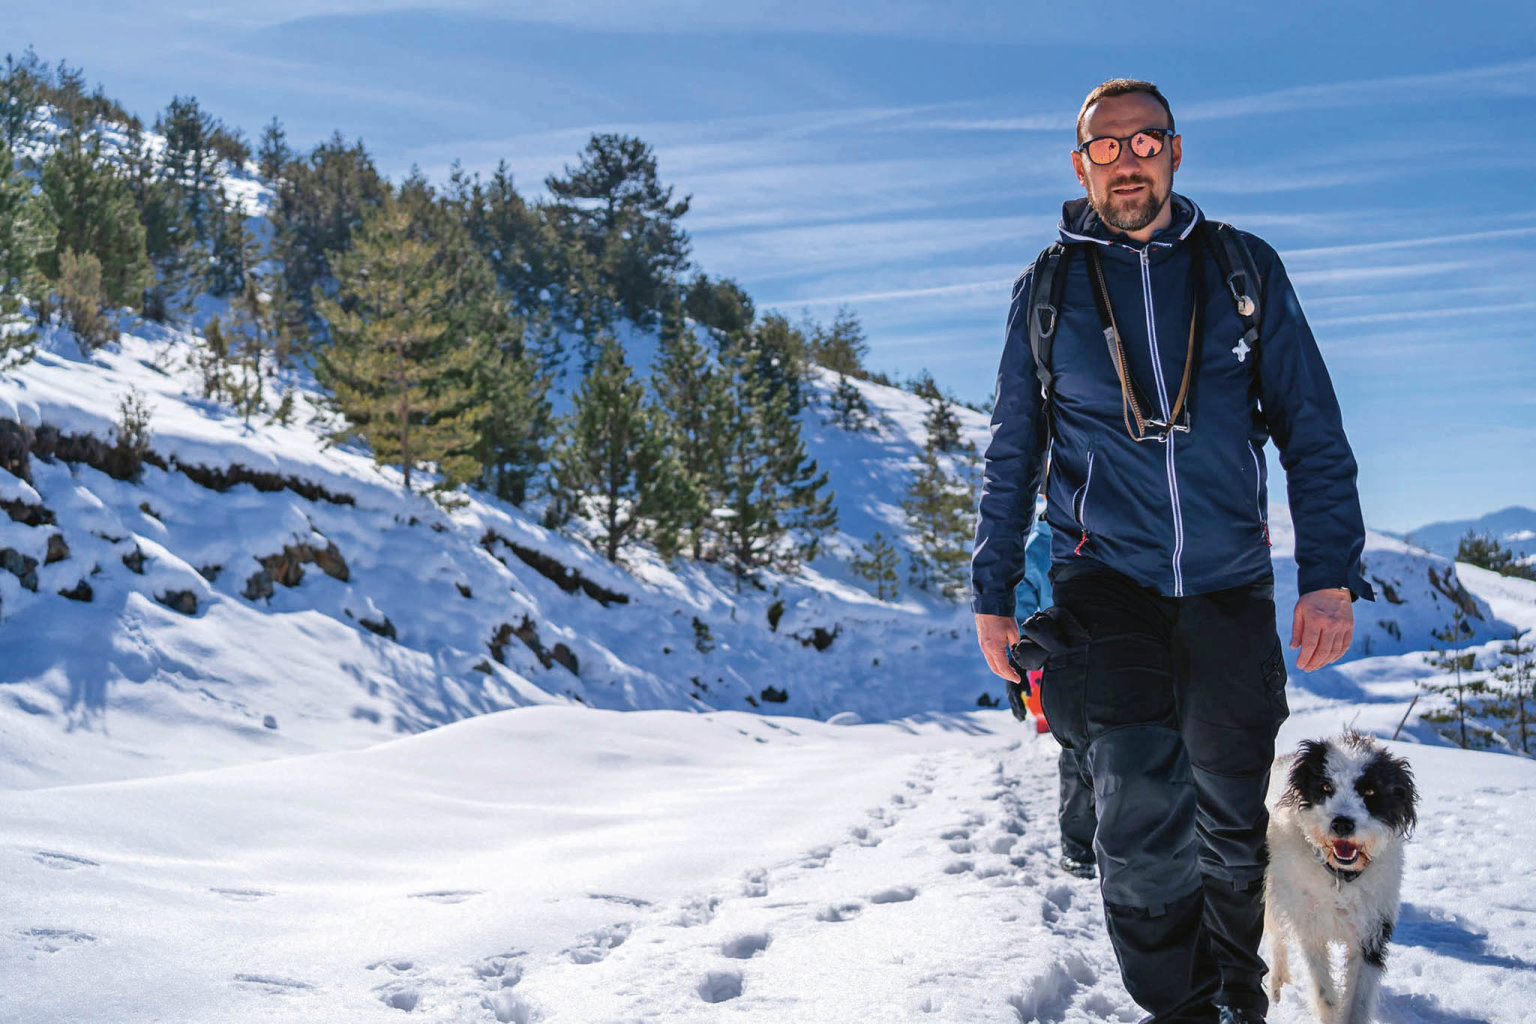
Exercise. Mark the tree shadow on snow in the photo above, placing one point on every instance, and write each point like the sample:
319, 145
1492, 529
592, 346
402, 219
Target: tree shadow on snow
1453, 938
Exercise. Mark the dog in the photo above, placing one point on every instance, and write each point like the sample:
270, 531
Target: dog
1340, 811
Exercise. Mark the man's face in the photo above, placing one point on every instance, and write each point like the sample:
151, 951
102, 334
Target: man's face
1130, 193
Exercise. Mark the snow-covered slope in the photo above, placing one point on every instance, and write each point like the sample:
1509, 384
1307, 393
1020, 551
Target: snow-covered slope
257, 594
1513, 527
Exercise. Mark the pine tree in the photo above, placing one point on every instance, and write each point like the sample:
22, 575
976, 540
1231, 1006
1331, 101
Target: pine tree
190, 161
849, 409
612, 452
1464, 687
1484, 551
775, 503
720, 303
843, 347
1516, 677
941, 511
877, 563
80, 298
96, 215
691, 395
943, 426
273, 153
21, 93
627, 221
27, 232
512, 411
397, 382
211, 360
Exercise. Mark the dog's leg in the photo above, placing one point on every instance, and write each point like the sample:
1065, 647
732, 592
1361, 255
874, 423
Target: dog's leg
1363, 967
1321, 993
1279, 942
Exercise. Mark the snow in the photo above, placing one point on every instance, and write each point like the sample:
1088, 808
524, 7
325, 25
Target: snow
538, 804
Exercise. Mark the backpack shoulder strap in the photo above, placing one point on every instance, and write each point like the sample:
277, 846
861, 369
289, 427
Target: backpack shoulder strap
1241, 275
1045, 292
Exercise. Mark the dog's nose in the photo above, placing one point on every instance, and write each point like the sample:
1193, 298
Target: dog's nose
1343, 826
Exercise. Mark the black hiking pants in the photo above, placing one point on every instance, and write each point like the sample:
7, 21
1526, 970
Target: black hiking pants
1074, 812
1172, 707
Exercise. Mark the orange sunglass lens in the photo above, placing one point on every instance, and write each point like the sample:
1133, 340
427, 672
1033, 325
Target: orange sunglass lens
1103, 151
1144, 145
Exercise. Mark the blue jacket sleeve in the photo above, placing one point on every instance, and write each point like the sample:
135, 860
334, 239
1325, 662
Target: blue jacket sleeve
1014, 465
1303, 417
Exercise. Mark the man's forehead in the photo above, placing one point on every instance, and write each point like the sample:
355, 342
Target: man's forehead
1118, 115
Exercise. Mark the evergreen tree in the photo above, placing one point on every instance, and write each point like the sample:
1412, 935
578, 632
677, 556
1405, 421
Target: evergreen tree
941, 511
21, 93
512, 411
1484, 551
96, 215
611, 455
398, 383
273, 153
877, 563
691, 395
1516, 677
849, 409
321, 200
781, 358
27, 232
1450, 656
168, 238
720, 303
924, 386
627, 221
943, 426
842, 347
775, 503
80, 299
233, 250
211, 360
190, 161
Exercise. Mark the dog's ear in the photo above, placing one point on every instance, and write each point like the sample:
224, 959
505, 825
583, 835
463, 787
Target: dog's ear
1394, 797
1304, 786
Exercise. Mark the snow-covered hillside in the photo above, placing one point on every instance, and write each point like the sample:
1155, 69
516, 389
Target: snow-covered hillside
1513, 528
257, 594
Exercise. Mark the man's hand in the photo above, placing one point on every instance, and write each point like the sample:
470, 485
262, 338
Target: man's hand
997, 633
1322, 628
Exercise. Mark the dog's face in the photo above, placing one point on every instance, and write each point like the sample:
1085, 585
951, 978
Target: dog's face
1351, 796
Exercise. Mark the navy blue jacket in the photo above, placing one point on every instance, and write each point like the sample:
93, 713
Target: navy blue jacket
1186, 515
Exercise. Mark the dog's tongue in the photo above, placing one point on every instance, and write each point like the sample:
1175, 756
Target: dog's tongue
1345, 851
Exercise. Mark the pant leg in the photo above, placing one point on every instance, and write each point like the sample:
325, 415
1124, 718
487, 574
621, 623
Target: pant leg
1075, 812
1232, 703
1112, 700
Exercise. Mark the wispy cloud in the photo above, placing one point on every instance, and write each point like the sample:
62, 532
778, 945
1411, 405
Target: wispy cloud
1401, 316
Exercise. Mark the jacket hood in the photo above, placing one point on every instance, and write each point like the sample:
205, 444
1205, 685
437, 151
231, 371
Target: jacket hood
1080, 222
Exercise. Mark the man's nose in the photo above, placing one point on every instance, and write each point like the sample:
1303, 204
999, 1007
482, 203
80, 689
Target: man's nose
1343, 826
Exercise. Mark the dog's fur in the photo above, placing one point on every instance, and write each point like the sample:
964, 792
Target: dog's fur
1340, 810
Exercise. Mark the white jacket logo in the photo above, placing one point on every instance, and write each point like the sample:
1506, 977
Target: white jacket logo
1241, 349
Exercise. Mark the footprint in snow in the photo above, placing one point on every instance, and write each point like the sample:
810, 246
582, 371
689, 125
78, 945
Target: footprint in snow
896, 894
273, 985
958, 867
597, 945
1002, 844
697, 911
840, 912
63, 861
503, 970
962, 846
507, 1007
51, 940
745, 947
863, 836
955, 833
629, 901
394, 966
242, 895
719, 986
446, 895
817, 858
754, 883
400, 997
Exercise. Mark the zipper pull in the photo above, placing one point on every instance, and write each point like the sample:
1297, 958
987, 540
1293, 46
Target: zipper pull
1079, 549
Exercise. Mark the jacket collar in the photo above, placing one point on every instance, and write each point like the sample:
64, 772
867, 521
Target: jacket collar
1081, 223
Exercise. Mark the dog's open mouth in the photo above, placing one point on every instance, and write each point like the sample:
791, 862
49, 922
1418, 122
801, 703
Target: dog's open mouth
1346, 853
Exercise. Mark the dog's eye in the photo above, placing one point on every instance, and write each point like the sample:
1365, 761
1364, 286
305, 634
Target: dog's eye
1327, 789
1368, 791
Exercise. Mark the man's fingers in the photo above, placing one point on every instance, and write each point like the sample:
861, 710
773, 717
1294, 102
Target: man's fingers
1296, 628
1311, 637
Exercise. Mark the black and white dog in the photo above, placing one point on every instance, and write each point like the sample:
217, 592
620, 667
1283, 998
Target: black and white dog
1339, 811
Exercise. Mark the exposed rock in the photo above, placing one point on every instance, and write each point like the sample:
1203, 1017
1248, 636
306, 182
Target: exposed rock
79, 592
259, 586
184, 601
15, 443
287, 567
774, 695
1388, 591
28, 515
775, 613
464, 590
564, 656
210, 572
986, 700
820, 637
58, 549
1451, 587
562, 575
385, 629
23, 567
269, 722
134, 560
148, 510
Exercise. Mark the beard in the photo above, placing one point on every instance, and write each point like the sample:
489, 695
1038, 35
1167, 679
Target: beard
1131, 213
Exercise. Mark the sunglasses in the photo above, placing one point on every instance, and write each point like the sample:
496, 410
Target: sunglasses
1145, 144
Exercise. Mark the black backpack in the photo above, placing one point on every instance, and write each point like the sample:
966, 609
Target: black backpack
1050, 282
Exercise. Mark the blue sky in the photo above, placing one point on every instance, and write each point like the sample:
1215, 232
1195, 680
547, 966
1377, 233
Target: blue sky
908, 158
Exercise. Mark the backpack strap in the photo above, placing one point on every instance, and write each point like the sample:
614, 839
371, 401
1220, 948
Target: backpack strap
1241, 275
1046, 289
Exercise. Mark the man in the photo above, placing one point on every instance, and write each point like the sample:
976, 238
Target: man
1169, 683
1074, 808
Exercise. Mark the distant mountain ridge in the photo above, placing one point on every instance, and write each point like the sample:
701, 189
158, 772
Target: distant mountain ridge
1513, 527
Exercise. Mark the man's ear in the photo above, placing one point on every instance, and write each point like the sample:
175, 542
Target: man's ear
1177, 142
1082, 178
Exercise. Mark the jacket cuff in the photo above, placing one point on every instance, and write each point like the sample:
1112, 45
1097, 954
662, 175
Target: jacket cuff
1351, 580
992, 604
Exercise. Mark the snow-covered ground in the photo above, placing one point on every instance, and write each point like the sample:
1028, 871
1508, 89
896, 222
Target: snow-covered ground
453, 766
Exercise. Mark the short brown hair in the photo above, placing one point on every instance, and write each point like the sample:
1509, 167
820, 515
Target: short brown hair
1120, 87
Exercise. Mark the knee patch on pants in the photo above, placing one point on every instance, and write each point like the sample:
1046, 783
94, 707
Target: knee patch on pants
1145, 795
